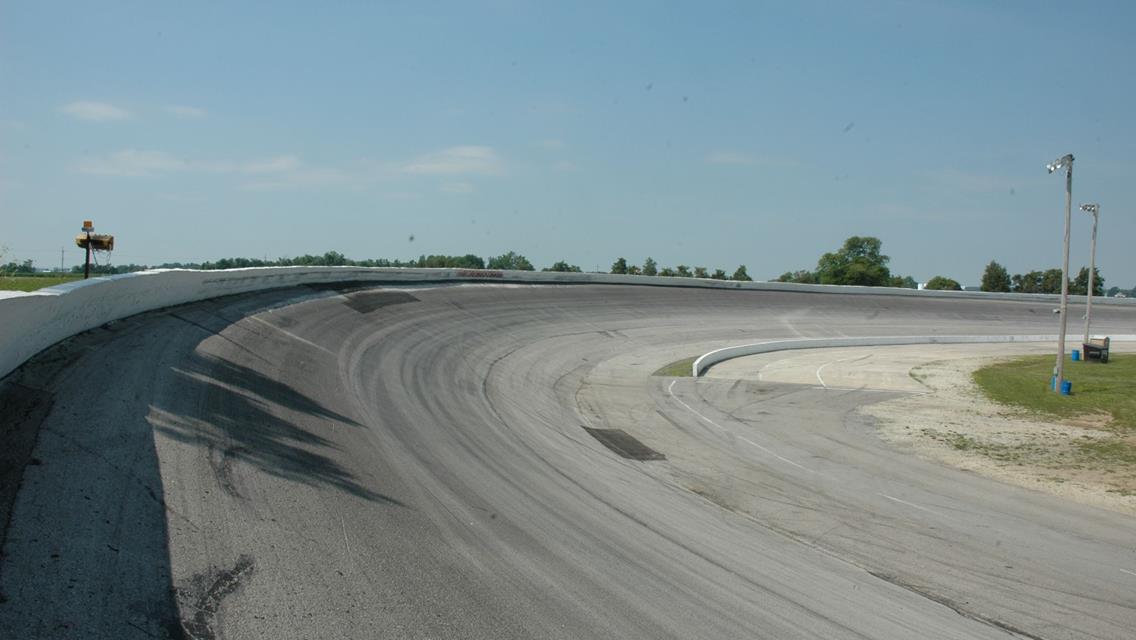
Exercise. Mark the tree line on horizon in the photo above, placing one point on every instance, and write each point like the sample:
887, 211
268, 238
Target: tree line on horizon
859, 261
510, 260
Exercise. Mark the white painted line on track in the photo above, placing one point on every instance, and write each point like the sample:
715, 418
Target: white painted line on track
770, 452
1131, 573
292, 335
343, 525
670, 391
821, 368
910, 504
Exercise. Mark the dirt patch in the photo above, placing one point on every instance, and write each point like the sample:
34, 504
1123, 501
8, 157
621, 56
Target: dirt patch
954, 424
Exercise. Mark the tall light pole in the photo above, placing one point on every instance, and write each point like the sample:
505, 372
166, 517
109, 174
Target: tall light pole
1094, 209
1064, 162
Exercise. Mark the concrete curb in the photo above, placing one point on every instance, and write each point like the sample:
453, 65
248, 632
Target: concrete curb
707, 360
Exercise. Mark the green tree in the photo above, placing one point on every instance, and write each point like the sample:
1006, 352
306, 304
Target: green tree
27, 266
1026, 283
511, 260
634, 270
718, 275
996, 278
1051, 281
683, 271
801, 276
1081, 283
667, 272
1112, 291
619, 266
700, 272
858, 262
903, 282
741, 275
563, 267
941, 283
468, 261
650, 267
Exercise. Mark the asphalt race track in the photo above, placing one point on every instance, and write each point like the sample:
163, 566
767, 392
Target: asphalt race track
431, 463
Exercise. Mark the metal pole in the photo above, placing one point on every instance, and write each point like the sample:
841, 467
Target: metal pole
1092, 270
1059, 370
87, 263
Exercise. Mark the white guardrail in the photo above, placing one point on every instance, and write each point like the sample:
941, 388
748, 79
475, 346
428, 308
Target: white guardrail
34, 321
707, 360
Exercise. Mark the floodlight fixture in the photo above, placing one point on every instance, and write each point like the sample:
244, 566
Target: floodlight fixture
1065, 161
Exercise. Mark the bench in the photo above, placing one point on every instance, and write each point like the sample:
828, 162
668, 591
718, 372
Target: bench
1096, 348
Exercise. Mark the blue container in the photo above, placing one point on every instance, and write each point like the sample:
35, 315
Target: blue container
1066, 387
1076, 355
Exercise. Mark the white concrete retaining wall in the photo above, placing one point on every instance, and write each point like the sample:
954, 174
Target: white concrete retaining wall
34, 321
712, 358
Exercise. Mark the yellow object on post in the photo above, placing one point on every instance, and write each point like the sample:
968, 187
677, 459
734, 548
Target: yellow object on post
98, 242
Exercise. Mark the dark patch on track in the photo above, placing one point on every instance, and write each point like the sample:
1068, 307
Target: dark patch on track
625, 444
368, 301
954, 606
200, 600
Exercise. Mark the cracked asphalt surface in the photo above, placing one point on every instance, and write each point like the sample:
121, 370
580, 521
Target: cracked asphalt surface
417, 463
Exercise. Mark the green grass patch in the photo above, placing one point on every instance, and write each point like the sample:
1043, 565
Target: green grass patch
1108, 388
678, 369
31, 283
1109, 451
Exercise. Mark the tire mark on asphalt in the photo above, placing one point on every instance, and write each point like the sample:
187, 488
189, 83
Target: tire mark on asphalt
670, 391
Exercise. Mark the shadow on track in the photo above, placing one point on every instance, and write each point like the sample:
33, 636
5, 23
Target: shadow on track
241, 415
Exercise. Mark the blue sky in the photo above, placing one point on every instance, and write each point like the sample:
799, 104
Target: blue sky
708, 134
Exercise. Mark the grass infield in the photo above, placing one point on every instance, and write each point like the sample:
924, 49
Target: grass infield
1097, 389
1024, 383
679, 369
31, 283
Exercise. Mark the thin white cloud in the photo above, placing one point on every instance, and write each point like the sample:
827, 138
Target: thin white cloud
463, 160
729, 157
456, 187
132, 162
94, 111
141, 162
741, 158
552, 144
275, 164
183, 111
306, 177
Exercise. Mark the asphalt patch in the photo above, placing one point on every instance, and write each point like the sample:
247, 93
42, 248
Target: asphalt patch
624, 444
201, 598
368, 301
